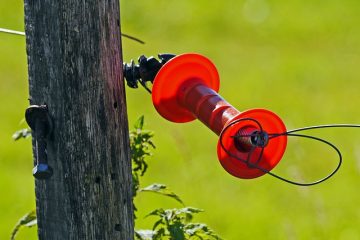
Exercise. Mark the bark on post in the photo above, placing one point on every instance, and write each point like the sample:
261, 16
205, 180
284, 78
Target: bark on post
75, 68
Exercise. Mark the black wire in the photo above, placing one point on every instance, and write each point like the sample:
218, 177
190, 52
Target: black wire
133, 38
290, 133
146, 87
315, 127
320, 180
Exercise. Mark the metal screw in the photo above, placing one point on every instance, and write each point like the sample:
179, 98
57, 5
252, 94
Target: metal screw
40, 123
248, 137
259, 138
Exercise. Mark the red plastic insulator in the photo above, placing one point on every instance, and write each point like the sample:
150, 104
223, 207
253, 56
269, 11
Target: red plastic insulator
186, 88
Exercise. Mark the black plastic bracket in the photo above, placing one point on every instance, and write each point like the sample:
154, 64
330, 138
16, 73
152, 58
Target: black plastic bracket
39, 120
145, 71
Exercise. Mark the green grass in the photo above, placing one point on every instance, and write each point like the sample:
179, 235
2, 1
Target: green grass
298, 58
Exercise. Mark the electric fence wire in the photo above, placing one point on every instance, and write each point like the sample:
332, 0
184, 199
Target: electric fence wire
9, 31
290, 133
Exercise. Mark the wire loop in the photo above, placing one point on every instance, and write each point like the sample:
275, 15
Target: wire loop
290, 133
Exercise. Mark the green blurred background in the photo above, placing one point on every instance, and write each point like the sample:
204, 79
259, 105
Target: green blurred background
299, 59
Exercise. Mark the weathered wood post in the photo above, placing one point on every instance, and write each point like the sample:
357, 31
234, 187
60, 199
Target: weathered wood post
75, 68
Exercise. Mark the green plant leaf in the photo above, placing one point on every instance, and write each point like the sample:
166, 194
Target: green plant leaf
158, 223
163, 190
157, 212
22, 133
175, 224
144, 234
140, 146
188, 210
169, 215
29, 220
200, 230
177, 231
139, 124
159, 234
31, 223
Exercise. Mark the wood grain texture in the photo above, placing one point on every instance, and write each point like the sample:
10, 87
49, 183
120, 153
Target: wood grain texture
75, 68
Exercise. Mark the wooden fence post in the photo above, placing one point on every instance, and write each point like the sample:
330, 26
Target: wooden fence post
75, 68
